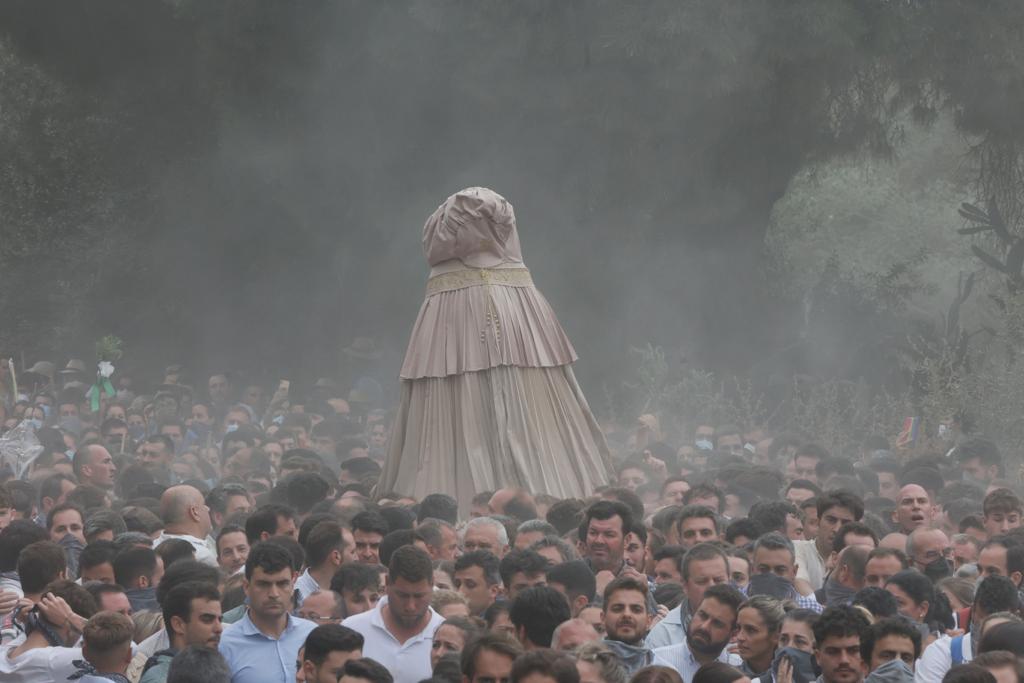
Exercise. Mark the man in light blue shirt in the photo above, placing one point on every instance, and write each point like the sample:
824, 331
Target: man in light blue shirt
712, 626
264, 645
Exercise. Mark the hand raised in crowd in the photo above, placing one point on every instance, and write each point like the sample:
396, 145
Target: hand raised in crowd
785, 674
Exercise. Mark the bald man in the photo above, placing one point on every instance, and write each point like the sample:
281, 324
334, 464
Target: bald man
186, 517
914, 509
94, 466
571, 634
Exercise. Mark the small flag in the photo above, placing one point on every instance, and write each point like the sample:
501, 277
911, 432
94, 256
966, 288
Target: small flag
908, 435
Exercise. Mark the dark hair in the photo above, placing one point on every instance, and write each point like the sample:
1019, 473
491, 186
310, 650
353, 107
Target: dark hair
558, 665
968, 673
395, 540
983, 449
63, 507
186, 570
52, 485
219, 495
312, 520
891, 626
880, 602
328, 638
102, 519
717, 672
306, 489
703, 491
699, 553
1008, 637
412, 564
539, 610
198, 665
19, 534
499, 643
367, 668
79, 600
178, 601
1002, 500
577, 578
996, 594
40, 563
656, 674
369, 521
566, 515
486, 560
97, 553
806, 485
268, 556
175, 550
132, 563
727, 595
438, 506
264, 519
325, 538
840, 621
744, 526
528, 562
842, 499
839, 542
606, 509
771, 515
97, 589
355, 577
624, 583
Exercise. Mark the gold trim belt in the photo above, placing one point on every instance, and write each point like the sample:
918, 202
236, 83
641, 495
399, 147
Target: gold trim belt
459, 279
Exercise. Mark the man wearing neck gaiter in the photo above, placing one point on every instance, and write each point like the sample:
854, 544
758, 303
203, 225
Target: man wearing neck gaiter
626, 622
139, 571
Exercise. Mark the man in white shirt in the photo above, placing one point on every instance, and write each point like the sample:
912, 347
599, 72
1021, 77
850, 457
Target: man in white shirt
835, 508
399, 631
994, 594
187, 517
712, 626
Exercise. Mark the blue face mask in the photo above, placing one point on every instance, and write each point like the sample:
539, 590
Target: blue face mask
232, 427
35, 423
46, 410
704, 445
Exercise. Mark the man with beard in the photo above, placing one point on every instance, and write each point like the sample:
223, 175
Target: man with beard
837, 635
626, 622
712, 627
703, 566
399, 631
263, 645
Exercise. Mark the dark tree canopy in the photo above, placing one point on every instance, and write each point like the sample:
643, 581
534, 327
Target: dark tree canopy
249, 177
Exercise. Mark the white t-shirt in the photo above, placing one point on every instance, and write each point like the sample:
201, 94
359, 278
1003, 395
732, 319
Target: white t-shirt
937, 659
811, 567
204, 553
38, 664
409, 662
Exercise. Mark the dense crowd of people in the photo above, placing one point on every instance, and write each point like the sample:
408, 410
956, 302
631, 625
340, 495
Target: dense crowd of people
220, 535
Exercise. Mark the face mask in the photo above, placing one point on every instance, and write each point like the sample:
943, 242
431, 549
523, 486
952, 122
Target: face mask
35, 423
46, 410
704, 445
136, 431
232, 427
944, 432
70, 453
200, 429
938, 569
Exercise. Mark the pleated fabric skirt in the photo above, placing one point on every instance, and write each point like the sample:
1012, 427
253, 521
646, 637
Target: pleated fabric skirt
527, 427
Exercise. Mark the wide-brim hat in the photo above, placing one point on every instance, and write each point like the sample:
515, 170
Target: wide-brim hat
44, 368
362, 347
74, 367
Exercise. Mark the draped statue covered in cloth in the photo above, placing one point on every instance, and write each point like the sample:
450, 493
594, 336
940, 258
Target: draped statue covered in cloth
488, 395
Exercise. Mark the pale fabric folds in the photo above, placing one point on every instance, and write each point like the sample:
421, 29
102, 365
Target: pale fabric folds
489, 398
478, 326
506, 426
